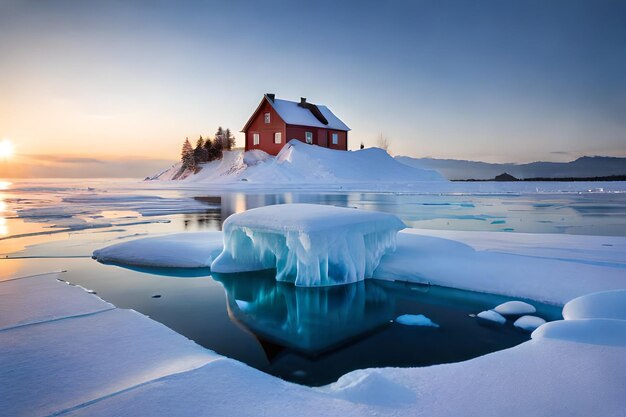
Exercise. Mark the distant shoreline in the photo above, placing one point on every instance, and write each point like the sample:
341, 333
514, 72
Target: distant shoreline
557, 179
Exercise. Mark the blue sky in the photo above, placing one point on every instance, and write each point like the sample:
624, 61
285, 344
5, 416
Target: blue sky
499, 81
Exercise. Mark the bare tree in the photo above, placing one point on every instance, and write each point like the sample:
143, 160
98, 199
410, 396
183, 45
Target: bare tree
383, 142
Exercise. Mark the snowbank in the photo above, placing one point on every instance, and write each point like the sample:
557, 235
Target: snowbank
606, 304
308, 244
181, 250
300, 164
508, 264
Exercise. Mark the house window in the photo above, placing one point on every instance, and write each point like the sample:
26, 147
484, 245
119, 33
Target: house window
256, 139
277, 137
309, 137
267, 118
335, 139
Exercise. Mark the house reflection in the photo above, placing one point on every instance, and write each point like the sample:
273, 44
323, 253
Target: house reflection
309, 320
237, 202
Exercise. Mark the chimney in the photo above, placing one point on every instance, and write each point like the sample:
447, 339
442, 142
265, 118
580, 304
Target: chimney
303, 101
271, 96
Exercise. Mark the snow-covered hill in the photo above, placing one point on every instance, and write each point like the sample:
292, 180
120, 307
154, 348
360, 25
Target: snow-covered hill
302, 164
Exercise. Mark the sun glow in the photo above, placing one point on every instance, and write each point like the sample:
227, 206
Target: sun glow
7, 149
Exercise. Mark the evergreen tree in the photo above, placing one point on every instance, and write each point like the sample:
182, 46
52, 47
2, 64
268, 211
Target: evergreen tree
200, 154
218, 147
362, 145
186, 155
219, 136
229, 140
200, 142
210, 149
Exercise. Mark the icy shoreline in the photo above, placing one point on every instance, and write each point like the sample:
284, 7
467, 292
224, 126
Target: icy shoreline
65, 351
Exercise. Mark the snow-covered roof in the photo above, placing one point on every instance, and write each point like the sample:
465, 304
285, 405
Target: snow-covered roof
293, 114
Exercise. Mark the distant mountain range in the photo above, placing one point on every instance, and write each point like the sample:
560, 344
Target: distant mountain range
586, 166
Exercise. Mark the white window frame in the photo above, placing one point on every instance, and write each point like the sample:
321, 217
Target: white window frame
308, 137
267, 118
278, 137
256, 139
335, 138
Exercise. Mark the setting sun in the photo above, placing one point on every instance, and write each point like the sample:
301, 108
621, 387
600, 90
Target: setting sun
6, 149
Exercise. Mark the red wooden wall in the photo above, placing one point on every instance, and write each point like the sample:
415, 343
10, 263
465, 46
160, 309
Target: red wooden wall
266, 131
321, 136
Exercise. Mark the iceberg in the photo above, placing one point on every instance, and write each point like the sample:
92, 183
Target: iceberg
309, 245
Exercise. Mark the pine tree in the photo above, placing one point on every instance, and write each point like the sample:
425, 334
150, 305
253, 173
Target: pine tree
219, 136
229, 140
218, 147
200, 142
362, 145
199, 153
186, 155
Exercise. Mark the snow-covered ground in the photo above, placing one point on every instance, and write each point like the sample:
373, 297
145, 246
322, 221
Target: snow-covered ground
302, 166
81, 356
299, 163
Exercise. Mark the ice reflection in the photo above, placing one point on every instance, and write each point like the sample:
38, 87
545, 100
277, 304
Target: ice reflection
310, 320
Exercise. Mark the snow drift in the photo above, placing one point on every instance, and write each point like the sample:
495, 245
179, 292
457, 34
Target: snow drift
309, 245
300, 163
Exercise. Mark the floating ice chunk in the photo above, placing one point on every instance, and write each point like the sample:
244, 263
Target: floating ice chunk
599, 305
515, 308
309, 245
491, 315
416, 320
608, 332
180, 250
529, 323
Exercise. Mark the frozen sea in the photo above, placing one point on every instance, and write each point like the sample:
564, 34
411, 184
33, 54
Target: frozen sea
53, 225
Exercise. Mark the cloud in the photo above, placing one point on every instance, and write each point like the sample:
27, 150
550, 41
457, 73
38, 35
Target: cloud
64, 159
51, 166
560, 153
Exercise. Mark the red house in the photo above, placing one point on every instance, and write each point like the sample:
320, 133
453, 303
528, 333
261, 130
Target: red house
275, 122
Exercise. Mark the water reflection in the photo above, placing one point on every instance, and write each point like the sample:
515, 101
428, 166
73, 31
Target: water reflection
593, 214
310, 320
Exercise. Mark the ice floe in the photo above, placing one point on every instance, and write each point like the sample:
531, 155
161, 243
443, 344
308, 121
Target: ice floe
492, 316
528, 323
180, 250
415, 320
308, 244
507, 263
513, 308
